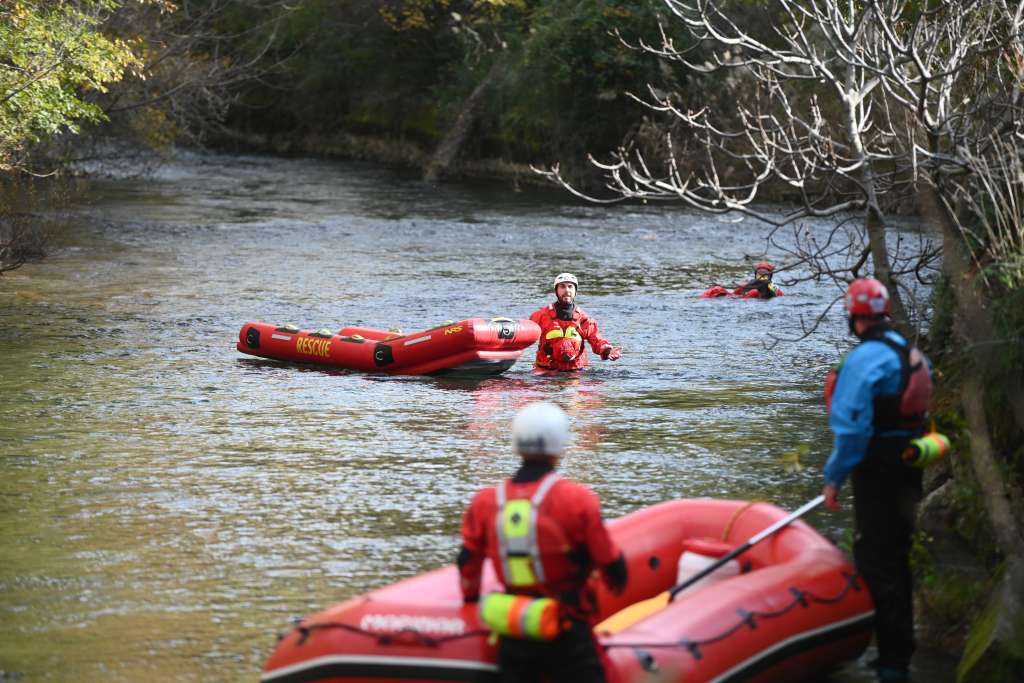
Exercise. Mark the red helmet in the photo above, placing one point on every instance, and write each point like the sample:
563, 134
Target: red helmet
867, 296
764, 265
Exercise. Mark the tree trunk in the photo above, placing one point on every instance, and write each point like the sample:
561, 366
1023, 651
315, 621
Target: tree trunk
874, 220
1006, 522
1001, 497
441, 161
874, 225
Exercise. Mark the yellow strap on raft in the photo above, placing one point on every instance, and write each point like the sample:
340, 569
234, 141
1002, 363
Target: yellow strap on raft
628, 616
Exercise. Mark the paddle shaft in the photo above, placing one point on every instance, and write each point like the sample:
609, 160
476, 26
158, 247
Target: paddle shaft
810, 505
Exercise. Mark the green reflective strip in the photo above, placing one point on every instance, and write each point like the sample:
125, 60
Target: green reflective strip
554, 334
494, 610
531, 617
520, 572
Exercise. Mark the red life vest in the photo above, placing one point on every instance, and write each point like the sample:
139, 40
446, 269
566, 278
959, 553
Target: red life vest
561, 344
907, 409
570, 540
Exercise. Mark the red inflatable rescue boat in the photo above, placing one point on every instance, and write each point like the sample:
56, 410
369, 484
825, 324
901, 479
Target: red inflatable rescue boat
474, 346
791, 608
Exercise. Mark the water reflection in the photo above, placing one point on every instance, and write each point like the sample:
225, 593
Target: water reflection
166, 504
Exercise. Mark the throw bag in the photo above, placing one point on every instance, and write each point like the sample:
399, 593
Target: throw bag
520, 616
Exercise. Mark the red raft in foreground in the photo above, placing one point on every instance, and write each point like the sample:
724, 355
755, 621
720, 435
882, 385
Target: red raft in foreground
475, 346
796, 610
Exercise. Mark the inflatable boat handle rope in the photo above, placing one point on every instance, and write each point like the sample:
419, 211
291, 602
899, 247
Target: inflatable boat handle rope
802, 598
393, 638
735, 516
747, 618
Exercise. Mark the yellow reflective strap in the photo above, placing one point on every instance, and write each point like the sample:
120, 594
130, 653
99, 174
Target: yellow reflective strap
521, 572
517, 518
558, 333
516, 527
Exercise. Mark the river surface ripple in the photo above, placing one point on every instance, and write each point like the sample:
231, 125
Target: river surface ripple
167, 504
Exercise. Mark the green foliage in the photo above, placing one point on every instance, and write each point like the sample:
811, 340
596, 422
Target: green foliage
972, 522
403, 68
349, 69
51, 56
1008, 308
845, 542
985, 657
430, 15
949, 598
565, 94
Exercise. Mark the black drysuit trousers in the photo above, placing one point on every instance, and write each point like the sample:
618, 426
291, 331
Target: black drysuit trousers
885, 495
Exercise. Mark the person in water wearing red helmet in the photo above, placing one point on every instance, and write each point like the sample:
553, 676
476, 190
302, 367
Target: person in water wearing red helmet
564, 327
877, 401
761, 287
544, 536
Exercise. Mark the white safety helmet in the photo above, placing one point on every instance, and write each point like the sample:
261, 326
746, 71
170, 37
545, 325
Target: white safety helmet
540, 429
566, 277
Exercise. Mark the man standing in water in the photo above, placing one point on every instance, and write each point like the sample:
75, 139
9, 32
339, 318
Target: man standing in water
544, 536
564, 327
879, 402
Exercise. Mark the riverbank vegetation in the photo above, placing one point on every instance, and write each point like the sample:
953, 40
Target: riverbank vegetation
860, 111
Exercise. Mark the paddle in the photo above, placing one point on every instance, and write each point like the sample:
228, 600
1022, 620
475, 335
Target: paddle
754, 540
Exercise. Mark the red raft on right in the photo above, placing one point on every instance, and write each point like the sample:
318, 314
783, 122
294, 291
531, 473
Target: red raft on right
793, 609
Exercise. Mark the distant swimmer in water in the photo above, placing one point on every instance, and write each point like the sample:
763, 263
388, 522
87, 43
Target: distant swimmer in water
564, 327
761, 287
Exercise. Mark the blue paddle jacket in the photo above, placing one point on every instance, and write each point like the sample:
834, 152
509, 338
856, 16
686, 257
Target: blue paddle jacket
871, 369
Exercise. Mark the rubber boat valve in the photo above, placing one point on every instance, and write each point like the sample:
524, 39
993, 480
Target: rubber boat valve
252, 338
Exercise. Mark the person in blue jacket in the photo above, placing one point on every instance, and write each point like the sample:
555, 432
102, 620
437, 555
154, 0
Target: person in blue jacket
877, 401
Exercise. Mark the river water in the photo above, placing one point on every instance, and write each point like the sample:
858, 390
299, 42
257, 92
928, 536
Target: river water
168, 504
